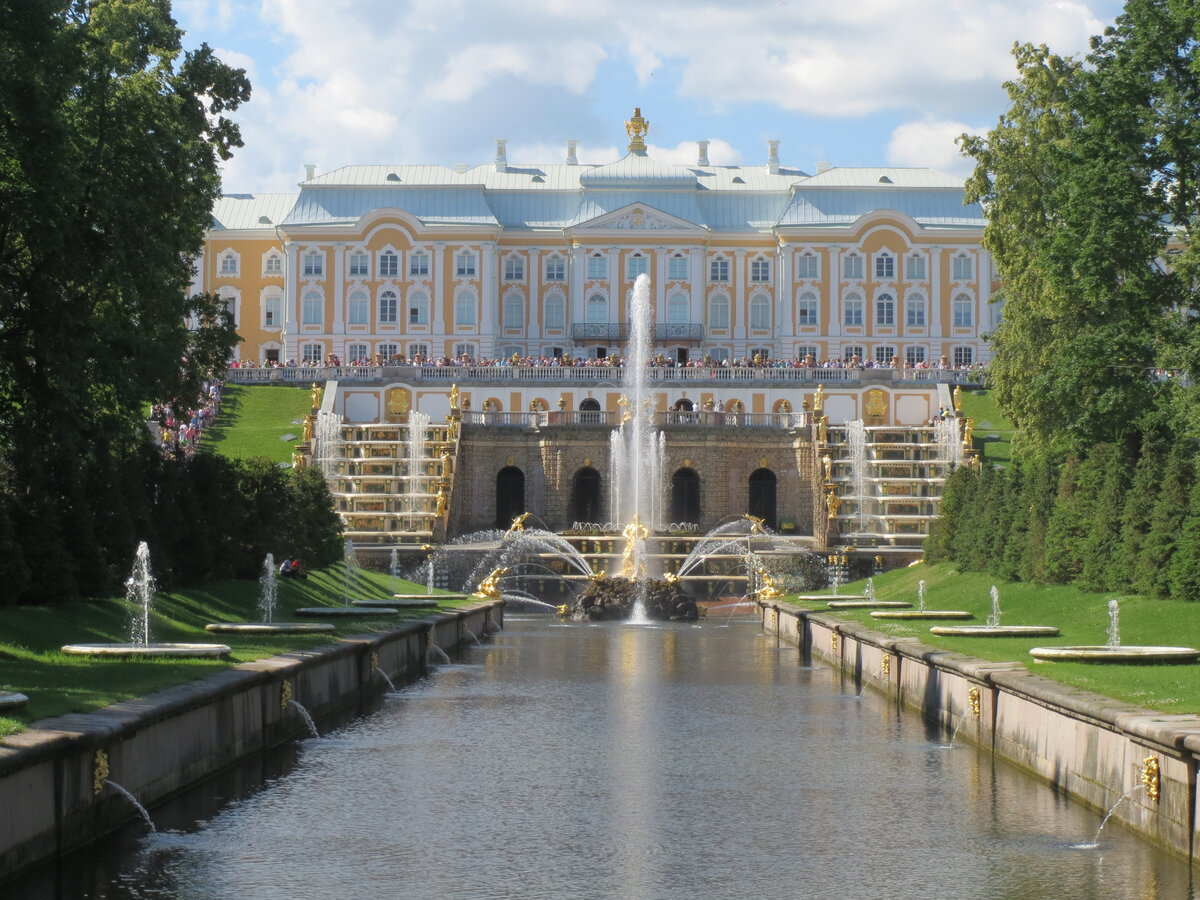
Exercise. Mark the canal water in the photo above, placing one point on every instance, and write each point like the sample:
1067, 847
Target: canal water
618, 761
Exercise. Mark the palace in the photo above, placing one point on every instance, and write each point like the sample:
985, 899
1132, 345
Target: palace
375, 262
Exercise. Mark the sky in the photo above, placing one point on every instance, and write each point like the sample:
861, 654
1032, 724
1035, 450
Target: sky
392, 82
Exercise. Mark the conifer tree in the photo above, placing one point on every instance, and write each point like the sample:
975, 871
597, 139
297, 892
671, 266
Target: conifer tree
1166, 519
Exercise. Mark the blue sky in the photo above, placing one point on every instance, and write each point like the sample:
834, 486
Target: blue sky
853, 82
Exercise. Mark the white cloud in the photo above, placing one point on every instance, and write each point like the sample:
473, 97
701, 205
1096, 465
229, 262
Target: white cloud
931, 144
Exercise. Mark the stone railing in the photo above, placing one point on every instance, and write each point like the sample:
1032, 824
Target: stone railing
606, 419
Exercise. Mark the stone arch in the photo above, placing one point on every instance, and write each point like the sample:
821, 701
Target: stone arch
683, 404
763, 496
587, 498
685, 496
510, 495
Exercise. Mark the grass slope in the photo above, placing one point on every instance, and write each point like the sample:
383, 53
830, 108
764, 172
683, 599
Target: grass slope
993, 432
1082, 617
254, 420
30, 638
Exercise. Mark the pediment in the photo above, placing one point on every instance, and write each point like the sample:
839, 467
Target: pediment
637, 217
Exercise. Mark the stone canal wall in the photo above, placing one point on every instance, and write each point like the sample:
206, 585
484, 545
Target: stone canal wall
1091, 748
52, 790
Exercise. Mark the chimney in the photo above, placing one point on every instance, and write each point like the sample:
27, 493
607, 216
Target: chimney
823, 167
501, 155
702, 154
310, 171
572, 159
773, 157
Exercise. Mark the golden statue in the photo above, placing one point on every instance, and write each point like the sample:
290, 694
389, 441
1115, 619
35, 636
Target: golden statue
518, 524
819, 399
563, 609
487, 405
489, 588
637, 128
453, 397
447, 464
827, 462
308, 428
957, 398
757, 525
823, 429
832, 503
598, 575
562, 402
626, 415
440, 508
318, 391
297, 460
671, 578
785, 406
635, 531
768, 589
968, 427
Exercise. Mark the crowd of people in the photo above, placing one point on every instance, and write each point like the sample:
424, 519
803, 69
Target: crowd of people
178, 436
608, 362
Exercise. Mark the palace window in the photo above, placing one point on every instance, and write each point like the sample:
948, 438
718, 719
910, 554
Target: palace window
514, 311
849, 353
852, 266
357, 353
677, 309
808, 350
415, 350
389, 308
964, 356
273, 263
915, 266
359, 265
852, 311
464, 264
314, 263
885, 266
808, 265
760, 312
885, 311
556, 311
389, 264
556, 268
635, 265
718, 271
388, 352
597, 309
677, 268
964, 268
964, 311
718, 312
310, 354
358, 308
914, 355
418, 263
464, 310
418, 310
272, 307
761, 353
229, 263
914, 311
807, 309
597, 267
760, 271
464, 350
312, 309
514, 268
884, 354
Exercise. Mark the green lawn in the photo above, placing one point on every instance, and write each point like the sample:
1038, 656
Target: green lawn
254, 420
30, 638
1082, 617
993, 432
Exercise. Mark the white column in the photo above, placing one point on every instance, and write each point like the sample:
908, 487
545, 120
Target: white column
291, 315
659, 274
533, 329
491, 279
338, 289
737, 308
696, 274
935, 297
835, 291
984, 272
438, 300
576, 302
785, 299
614, 284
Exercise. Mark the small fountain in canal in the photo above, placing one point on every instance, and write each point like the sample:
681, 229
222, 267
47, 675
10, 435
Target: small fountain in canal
993, 628
1114, 651
268, 597
139, 591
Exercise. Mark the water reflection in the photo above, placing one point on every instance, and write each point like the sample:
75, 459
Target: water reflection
617, 761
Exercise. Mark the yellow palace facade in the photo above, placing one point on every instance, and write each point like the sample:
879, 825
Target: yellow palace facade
370, 263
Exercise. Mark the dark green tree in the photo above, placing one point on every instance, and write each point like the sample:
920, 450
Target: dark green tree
1166, 520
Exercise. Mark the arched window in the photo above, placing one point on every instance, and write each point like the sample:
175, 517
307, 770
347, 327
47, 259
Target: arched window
389, 264
389, 307
356, 353
229, 263
718, 312
685, 496
510, 495
914, 311
762, 496
677, 309
514, 311
358, 307
964, 311
586, 496
885, 311
418, 309
312, 308
885, 266
852, 310
360, 266
760, 312
464, 309
589, 411
807, 309
597, 309
556, 311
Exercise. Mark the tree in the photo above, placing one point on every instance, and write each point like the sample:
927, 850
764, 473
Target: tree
110, 140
